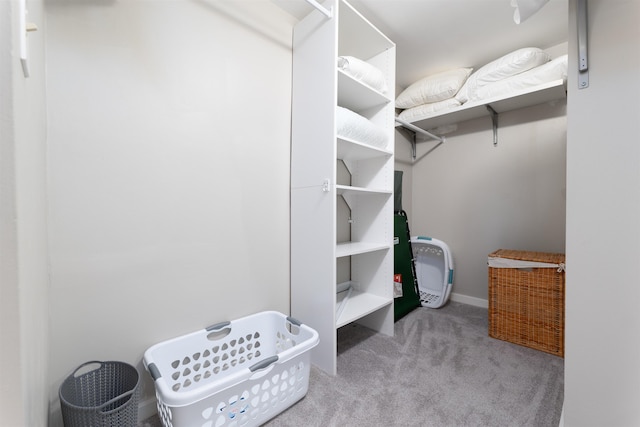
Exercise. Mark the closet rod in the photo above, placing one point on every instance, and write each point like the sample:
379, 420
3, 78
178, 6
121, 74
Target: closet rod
416, 129
326, 12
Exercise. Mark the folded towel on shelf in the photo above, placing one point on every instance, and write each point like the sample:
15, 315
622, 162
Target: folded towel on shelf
353, 126
363, 71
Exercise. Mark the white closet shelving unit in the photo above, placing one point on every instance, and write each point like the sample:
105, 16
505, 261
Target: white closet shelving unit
341, 190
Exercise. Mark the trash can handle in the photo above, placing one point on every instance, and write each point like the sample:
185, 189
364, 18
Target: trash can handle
115, 399
85, 364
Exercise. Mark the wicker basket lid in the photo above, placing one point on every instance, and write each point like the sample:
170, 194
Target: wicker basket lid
552, 258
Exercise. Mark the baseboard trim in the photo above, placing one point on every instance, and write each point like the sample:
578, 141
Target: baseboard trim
147, 408
465, 299
561, 423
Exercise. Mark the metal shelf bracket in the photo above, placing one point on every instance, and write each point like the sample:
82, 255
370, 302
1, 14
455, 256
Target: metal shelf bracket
494, 122
583, 65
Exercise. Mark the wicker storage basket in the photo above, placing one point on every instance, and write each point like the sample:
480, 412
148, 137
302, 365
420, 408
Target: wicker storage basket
526, 299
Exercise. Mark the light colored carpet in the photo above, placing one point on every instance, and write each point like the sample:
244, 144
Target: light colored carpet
441, 369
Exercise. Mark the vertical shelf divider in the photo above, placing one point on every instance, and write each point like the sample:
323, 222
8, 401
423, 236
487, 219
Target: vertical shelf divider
320, 213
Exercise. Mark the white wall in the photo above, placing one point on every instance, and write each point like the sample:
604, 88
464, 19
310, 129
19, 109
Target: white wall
403, 164
24, 331
169, 172
602, 376
479, 198
11, 398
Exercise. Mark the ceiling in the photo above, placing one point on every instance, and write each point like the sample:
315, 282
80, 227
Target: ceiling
437, 35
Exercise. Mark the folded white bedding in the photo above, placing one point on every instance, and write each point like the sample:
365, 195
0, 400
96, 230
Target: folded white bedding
353, 126
363, 71
552, 70
422, 111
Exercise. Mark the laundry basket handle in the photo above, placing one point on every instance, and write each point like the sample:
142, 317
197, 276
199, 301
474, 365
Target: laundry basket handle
218, 331
294, 321
154, 371
263, 364
217, 326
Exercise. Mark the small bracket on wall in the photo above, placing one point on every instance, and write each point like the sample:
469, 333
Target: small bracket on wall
414, 146
583, 45
494, 122
326, 185
418, 131
24, 27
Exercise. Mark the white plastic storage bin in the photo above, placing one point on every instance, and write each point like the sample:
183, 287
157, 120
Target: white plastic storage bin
233, 374
434, 270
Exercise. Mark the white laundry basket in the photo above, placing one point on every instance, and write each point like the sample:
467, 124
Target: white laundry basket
233, 374
434, 270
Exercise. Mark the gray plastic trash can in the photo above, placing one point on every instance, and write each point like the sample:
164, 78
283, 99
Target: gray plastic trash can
101, 394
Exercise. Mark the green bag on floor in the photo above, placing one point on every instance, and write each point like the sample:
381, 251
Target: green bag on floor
405, 285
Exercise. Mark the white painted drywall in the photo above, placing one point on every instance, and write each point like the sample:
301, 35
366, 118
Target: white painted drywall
24, 302
479, 198
169, 142
602, 353
403, 163
11, 398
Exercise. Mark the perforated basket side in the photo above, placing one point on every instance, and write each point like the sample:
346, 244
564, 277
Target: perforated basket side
247, 403
194, 366
434, 270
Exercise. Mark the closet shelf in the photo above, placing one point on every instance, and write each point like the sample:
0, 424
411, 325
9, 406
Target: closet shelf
357, 96
349, 149
363, 198
358, 305
546, 92
347, 189
357, 248
358, 37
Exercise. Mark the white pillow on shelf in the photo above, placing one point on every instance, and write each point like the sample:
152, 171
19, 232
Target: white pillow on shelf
506, 66
433, 88
363, 71
553, 70
423, 111
352, 125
